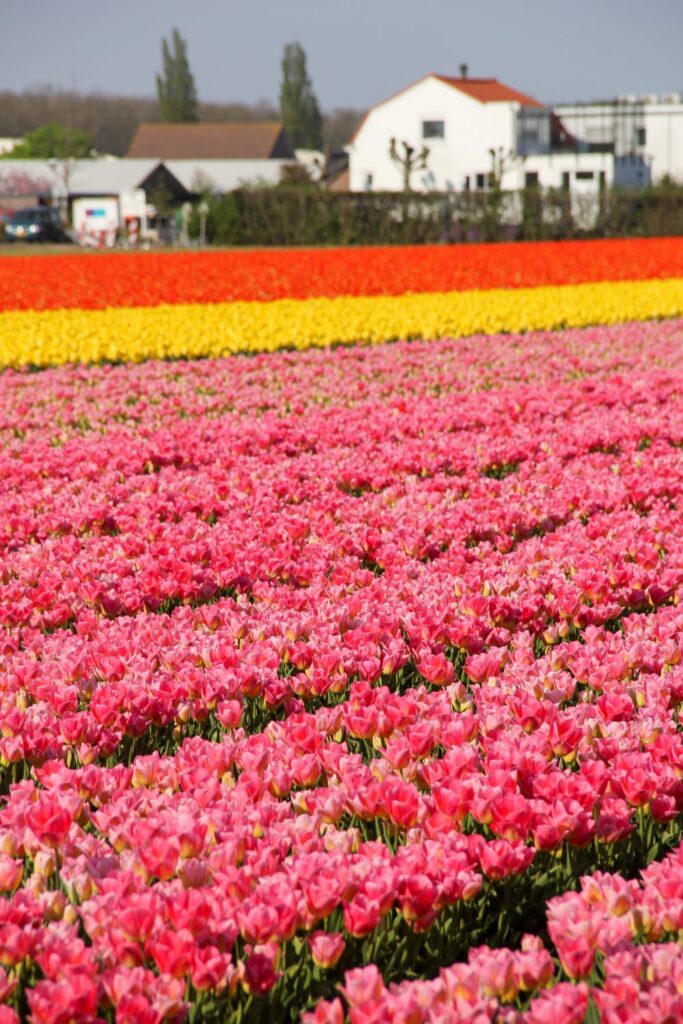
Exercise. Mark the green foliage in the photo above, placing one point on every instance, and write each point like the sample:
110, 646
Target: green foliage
299, 108
52, 140
295, 176
221, 220
161, 199
175, 85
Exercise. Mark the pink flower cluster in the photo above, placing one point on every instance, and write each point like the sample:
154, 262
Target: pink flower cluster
311, 661
632, 925
480, 991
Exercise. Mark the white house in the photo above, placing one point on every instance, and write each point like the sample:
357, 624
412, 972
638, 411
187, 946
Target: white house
461, 123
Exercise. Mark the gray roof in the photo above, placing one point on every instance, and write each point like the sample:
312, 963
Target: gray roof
225, 175
88, 177
93, 177
111, 176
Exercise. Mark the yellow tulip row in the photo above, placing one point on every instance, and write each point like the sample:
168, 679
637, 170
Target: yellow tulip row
51, 337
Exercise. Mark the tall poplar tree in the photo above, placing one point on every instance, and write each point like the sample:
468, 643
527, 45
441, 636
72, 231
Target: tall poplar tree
301, 118
175, 85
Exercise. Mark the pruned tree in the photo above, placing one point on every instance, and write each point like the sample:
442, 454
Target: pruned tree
176, 89
408, 160
502, 161
299, 110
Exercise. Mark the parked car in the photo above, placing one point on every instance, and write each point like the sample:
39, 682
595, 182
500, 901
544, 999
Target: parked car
35, 224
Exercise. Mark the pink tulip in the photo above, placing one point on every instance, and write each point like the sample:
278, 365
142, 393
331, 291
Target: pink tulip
49, 822
361, 916
259, 974
326, 948
11, 873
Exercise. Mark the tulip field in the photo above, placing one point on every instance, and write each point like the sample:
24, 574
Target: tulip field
341, 608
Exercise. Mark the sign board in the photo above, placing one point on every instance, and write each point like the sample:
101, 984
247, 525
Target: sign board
96, 220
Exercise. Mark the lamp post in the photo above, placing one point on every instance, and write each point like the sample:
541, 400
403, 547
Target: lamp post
203, 209
185, 211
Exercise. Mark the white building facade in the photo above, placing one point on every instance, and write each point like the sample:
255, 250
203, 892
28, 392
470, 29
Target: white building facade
644, 133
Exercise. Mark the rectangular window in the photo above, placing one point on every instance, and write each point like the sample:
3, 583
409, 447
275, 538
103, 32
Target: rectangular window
584, 175
531, 179
433, 130
481, 180
641, 136
565, 180
466, 184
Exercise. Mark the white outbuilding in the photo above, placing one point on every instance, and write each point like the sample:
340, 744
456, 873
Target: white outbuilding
644, 133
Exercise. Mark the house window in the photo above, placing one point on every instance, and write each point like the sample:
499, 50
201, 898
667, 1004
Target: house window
531, 179
466, 183
433, 130
584, 175
529, 137
565, 180
368, 182
641, 136
482, 180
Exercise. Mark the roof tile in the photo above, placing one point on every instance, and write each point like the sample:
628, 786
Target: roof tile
489, 90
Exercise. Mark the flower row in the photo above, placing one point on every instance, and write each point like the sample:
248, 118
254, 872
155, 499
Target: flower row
355, 657
144, 279
77, 402
51, 337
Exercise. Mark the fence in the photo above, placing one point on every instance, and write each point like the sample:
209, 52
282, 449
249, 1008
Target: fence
299, 216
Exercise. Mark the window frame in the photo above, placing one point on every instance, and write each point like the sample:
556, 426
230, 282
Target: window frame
433, 138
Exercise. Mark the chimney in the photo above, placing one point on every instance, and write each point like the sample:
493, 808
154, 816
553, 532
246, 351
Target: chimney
463, 70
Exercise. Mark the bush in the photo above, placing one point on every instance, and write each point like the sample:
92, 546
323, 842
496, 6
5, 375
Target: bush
310, 216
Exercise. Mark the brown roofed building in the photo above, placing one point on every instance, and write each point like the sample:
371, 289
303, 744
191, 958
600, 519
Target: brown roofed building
215, 140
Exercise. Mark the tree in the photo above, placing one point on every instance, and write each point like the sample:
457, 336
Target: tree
62, 147
175, 85
299, 108
408, 161
18, 183
501, 163
52, 141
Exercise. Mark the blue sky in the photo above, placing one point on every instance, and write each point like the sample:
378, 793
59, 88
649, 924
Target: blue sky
359, 51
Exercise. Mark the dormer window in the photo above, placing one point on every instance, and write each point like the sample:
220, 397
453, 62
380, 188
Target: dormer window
433, 130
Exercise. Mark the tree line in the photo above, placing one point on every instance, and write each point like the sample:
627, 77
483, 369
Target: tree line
106, 123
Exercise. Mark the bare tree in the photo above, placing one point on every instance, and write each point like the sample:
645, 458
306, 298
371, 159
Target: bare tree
408, 160
502, 161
